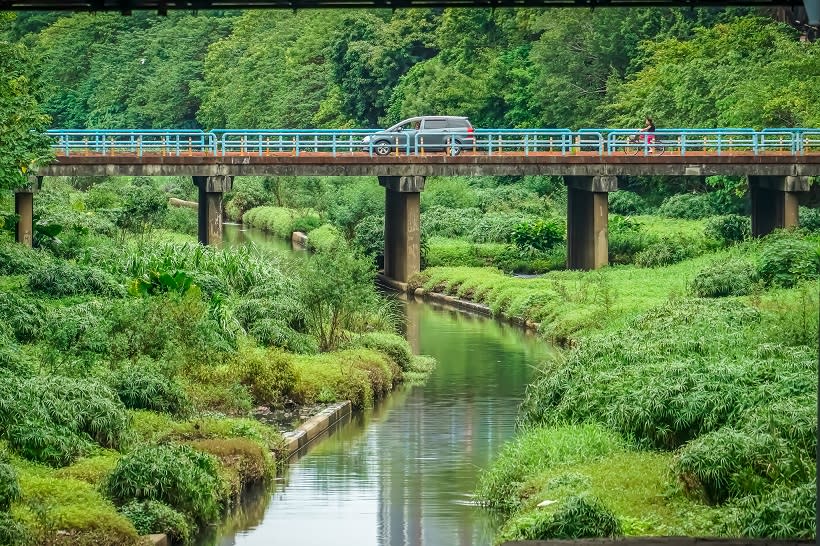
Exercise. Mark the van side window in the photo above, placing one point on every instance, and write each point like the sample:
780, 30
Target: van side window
433, 124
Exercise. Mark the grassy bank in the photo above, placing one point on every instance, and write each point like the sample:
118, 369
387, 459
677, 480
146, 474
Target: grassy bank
685, 405
131, 360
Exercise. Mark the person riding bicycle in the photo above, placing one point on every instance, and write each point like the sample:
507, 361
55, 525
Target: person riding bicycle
649, 129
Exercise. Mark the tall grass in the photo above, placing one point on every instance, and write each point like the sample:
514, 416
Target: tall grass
54, 420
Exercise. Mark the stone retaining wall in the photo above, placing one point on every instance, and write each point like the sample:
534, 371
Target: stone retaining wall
315, 426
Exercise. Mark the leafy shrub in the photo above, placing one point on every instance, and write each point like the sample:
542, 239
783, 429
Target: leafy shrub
276, 220
181, 220
514, 198
246, 461
691, 206
177, 475
60, 279
667, 251
152, 516
627, 203
358, 375
786, 512
512, 260
144, 207
727, 193
275, 317
306, 223
728, 229
9, 488
447, 222
55, 419
247, 193
497, 228
12, 533
210, 285
392, 345
23, 314
81, 330
12, 358
269, 374
448, 192
337, 286
16, 259
724, 278
324, 238
810, 218
102, 196
369, 238
579, 516
160, 282
539, 235
627, 237
785, 261
143, 386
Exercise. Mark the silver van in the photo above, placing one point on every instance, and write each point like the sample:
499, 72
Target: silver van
435, 133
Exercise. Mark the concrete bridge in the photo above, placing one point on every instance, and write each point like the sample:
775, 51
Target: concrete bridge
777, 162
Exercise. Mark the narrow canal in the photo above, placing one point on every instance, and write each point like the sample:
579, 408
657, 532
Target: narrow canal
403, 473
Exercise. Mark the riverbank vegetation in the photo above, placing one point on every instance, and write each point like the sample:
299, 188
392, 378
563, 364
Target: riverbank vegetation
132, 360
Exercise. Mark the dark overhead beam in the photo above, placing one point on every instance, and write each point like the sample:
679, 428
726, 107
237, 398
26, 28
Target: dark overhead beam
162, 6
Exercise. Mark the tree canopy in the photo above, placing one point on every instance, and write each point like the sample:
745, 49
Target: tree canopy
361, 68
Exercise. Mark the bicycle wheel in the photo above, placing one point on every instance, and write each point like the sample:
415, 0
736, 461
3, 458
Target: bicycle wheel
632, 147
659, 149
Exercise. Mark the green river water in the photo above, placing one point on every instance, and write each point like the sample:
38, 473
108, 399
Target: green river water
403, 473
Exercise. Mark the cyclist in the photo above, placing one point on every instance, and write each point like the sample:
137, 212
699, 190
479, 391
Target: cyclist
649, 129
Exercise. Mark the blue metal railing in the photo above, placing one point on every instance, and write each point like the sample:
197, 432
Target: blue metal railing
490, 142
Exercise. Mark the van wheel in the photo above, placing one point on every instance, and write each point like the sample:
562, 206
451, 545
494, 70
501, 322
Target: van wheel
453, 147
382, 147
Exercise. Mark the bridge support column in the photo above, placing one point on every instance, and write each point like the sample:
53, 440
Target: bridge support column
24, 209
774, 202
402, 226
211, 189
587, 218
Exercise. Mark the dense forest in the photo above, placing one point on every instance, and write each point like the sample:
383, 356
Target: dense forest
131, 357
502, 68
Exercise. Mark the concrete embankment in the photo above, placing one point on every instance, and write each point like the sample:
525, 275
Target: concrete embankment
451, 301
318, 425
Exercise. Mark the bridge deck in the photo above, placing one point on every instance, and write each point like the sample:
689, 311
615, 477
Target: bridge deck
431, 164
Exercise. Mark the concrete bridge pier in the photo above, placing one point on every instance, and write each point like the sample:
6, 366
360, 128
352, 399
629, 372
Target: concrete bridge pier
211, 189
587, 220
774, 202
24, 209
402, 226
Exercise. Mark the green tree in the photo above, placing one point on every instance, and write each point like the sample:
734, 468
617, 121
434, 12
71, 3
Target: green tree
144, 207
338, 285
22, 142
747, 72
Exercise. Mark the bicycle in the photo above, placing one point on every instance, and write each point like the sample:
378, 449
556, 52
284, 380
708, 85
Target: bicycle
636, 145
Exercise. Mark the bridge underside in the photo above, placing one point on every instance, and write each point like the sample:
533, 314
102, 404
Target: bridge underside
163, 6
436, 165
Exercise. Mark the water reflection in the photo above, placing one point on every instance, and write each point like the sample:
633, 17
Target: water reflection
403, 473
